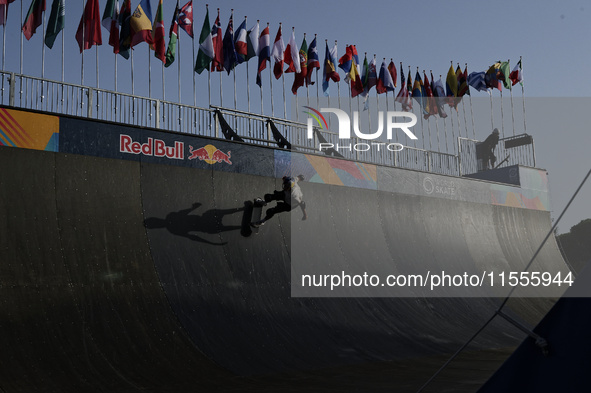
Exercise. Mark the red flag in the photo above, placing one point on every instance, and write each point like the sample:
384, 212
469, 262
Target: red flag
186, 18
217, 63
34, 18
4, 11
91, 22
158, 33
392, 70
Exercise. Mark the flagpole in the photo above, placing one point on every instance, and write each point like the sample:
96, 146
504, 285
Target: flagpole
522, 92
21, 60
194, 85
502, 116
42, 62
471, 111
83, 40
512, 112
492, 124
63, 50
247, 76
149, 73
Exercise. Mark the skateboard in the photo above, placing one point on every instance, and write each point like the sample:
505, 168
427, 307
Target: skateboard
253, 211
257, 211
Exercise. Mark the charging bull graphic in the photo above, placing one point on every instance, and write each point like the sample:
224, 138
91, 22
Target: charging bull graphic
209, 154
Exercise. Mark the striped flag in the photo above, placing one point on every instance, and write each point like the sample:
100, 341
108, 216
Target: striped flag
264, 53
278, 53
111, 23
206, 52
172, 37
158, 34
313, 61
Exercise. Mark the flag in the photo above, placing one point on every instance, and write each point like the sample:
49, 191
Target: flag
277, 54
158, 34
252, 42
125, 34
4, 11
355, 79
504, 75
477, 81
89, 29
463, 87
291, 55
346, 60
186, 18
228, 46
313, 61
300, 77
111, 23
57, 21
403, 96
329, 71
141, 24
240, 44
392, 70
217, 63
491, 77
34, 18
516, 75
372, 76
429, 98
385, 82
172, 37
206, 52
418, 93
451, 86
440, 98
264, 53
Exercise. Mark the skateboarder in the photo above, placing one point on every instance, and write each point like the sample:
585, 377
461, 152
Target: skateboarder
488, 147
287, 199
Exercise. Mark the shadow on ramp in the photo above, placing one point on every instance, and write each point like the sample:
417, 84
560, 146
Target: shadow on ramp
183, 223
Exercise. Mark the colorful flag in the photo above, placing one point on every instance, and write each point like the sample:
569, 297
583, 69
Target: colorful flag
217, 63
429, 98
505, 73
206, 52
172, 37
492, 76
228, 49
111, 23
125, 34
141, 24
34, 18
264, 53
4, 11
240, 44
313, 61
186, 18
291, 55
300, 77
277, 54
346, 60
477, 81
463, 87
89, 29
329, 71
57, 21
516, 75
392, 70
252, 42
418, 93
158, 34
403, 96
385, 82
355, 79
451, 86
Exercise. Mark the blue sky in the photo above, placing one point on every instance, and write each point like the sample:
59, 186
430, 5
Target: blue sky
551, 36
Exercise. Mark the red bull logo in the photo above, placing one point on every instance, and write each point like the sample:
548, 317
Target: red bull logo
210, 154
153, 147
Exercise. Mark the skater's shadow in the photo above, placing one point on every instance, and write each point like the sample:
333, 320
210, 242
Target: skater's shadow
182, 223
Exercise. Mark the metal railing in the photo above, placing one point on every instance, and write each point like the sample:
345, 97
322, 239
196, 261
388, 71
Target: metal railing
22, 91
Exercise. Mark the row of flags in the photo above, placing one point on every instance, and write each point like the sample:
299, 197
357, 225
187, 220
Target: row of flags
218, 53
